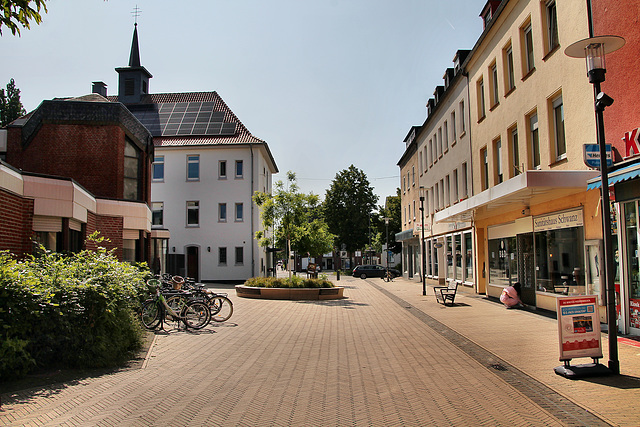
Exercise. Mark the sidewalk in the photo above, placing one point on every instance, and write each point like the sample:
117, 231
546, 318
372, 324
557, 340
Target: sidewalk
529, 342
384, 355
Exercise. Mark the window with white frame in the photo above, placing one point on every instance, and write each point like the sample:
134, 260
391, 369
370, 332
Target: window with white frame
515, 152
497, 150
465, 185
484, 158
528, 59
447, 191
481, 102
445, 136
157, 213
440, 151
552, 25
193, 213
454, 188
510, 77
222, 169
420, 161
222, 212
454, 133
193, 167
558, 128
239, 212
463, 125
534, 141
158, 168
222, 256
436, 197
239, 168
493, 73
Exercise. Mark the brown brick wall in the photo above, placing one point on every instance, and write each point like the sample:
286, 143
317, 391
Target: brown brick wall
16, 223
91, 155
111, 228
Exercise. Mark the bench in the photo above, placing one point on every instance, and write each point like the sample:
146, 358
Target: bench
446, 294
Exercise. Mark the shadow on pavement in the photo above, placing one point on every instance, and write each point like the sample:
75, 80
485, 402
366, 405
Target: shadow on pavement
624, 382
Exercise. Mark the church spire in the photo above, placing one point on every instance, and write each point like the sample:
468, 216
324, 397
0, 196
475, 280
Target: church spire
134, 57
133, 80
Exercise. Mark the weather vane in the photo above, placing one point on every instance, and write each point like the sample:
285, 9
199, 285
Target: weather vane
136, 12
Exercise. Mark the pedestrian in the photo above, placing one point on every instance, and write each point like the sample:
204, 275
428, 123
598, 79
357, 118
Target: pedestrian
510, 296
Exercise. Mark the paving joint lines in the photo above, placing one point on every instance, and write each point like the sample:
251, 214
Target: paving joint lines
544, 396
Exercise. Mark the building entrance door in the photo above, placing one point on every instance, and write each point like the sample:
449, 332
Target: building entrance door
526, 274
192, 262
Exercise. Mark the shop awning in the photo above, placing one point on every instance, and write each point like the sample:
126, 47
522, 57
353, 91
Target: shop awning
623, 174
404, 235
529, 188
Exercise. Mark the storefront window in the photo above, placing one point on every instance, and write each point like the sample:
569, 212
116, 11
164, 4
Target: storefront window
468, 261
631, 230
502, 261
429, 259
559, 261
457, 245
449, 255
435, 258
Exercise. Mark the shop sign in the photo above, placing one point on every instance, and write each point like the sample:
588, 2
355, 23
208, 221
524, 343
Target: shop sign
631, 144
634, 313
579, 327
558, 220
591, 155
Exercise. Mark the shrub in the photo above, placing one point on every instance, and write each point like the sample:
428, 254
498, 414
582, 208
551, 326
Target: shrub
293, 282
68, 311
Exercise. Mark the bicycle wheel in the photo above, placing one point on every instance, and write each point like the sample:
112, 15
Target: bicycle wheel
150, 314
196, 315
221, 308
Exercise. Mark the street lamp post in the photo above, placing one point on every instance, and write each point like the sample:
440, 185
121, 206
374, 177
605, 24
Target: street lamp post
386, 224
593, 50
422, 245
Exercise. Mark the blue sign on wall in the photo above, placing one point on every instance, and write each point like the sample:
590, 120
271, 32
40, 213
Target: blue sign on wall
592, 155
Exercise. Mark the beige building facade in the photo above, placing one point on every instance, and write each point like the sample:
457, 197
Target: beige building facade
531, 111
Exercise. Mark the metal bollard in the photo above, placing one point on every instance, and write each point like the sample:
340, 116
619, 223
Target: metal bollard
337, 274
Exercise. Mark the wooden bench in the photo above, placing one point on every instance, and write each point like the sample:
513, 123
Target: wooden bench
446, 294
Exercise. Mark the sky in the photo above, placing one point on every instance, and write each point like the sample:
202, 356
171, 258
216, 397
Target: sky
326, 84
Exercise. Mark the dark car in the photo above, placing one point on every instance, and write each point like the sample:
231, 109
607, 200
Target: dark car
364, 271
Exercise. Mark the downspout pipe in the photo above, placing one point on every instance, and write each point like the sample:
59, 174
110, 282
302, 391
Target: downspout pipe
252, 237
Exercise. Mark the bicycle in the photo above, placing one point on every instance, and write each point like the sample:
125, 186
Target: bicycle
388, 276
155, 312
219, 304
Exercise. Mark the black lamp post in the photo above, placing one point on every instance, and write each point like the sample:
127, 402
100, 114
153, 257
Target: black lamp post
422, 245
593, 50
386, 224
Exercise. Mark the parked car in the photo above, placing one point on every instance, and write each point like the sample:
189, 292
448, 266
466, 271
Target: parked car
364, 271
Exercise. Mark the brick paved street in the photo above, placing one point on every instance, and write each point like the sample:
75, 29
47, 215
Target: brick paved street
383, 356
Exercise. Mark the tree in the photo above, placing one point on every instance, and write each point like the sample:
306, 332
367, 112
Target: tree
348, 205
10, 106
295, 219
16, 13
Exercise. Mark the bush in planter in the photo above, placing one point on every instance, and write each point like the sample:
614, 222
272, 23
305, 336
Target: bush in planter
68, 311
293, 282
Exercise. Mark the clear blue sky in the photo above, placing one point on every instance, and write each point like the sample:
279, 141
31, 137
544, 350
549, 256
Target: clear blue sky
326, 83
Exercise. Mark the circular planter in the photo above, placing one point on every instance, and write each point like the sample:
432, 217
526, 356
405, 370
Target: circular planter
290, 293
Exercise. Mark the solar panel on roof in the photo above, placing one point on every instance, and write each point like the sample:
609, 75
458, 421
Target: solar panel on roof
183, 118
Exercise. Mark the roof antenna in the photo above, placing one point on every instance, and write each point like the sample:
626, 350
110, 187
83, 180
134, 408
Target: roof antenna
136, 12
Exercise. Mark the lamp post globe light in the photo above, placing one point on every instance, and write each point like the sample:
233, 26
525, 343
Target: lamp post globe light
594, 50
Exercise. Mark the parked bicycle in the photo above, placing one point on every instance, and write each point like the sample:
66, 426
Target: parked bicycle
388, 276
178, 291
156, 311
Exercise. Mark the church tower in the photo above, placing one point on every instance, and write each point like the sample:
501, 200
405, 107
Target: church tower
133, 81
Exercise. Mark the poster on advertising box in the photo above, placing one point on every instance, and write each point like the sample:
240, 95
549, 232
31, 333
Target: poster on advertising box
579, 327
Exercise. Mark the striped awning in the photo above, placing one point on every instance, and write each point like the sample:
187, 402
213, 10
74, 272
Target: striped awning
623, 174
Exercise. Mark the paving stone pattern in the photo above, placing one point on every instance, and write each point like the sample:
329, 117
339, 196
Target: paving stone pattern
383, 356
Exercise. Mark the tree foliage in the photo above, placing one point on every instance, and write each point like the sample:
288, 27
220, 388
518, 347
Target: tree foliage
295, 219
10, 105
348, 206
20, 13
391, 210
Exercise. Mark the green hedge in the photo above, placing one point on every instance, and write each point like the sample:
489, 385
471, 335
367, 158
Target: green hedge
293, 282
68, 311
